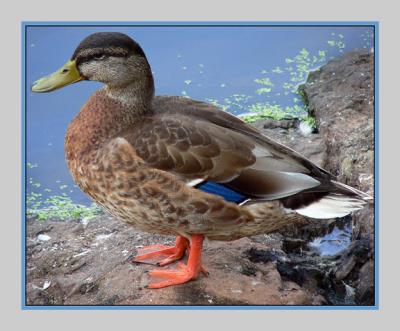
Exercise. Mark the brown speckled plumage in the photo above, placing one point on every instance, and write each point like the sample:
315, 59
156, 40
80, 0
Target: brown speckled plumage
101, 154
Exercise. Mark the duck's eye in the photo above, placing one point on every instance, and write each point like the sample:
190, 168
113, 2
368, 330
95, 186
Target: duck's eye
99, 57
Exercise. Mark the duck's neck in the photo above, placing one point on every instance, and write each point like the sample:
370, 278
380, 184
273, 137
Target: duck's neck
110, 112
136, 95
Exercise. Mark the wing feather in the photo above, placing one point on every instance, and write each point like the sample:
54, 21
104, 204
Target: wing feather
199, 142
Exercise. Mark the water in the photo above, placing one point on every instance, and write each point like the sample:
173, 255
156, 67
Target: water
218, 64
333, 242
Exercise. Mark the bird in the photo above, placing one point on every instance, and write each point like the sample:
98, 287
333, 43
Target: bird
177, 166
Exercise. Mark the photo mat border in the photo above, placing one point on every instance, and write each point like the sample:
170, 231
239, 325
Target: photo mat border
24, 90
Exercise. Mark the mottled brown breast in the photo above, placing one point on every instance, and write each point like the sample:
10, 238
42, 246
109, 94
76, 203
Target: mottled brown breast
87, 141
100, 119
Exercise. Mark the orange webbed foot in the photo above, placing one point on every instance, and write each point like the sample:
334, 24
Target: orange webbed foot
161, 254
183, 273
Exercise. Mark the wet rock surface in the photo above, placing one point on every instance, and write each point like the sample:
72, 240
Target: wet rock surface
83, 262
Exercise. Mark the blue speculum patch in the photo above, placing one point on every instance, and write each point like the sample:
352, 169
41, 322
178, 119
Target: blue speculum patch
222, 191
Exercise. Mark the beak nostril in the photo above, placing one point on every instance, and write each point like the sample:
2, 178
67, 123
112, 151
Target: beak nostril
65, 71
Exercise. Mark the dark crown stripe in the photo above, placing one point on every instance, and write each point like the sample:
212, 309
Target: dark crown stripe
99, 52
107, 41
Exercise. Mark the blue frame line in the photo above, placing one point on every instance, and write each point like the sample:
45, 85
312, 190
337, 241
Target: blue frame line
25, 25
23, 166
201, 23
376, 163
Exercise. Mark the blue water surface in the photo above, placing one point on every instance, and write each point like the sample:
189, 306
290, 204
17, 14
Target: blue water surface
218, 64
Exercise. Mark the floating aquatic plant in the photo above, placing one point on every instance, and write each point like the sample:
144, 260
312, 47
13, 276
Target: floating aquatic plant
297, 68
59, 207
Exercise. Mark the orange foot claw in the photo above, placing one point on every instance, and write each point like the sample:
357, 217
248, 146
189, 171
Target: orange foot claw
163, 255
183, 273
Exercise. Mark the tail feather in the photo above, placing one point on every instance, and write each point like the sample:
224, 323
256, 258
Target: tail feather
332, 206
341, 201
358, 193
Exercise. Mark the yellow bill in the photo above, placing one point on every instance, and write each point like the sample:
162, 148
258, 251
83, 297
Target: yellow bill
68, 74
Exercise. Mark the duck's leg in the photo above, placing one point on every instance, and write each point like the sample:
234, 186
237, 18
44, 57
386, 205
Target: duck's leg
183, 273
161, 254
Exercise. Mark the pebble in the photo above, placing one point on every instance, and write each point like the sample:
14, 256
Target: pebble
43, 237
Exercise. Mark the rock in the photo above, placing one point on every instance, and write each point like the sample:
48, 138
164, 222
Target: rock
341, 97
312, 146
283, 124
294, 245
365, 287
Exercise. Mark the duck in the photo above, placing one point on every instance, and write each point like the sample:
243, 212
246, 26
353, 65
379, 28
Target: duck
177, 166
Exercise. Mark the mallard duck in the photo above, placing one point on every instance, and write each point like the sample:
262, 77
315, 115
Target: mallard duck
172, 165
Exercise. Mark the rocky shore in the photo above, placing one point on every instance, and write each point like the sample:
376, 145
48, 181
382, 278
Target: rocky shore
88, 262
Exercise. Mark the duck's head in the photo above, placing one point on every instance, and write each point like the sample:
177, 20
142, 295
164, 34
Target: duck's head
109, 57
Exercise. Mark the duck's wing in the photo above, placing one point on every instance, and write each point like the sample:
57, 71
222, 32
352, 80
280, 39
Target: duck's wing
198, 142
215, 115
